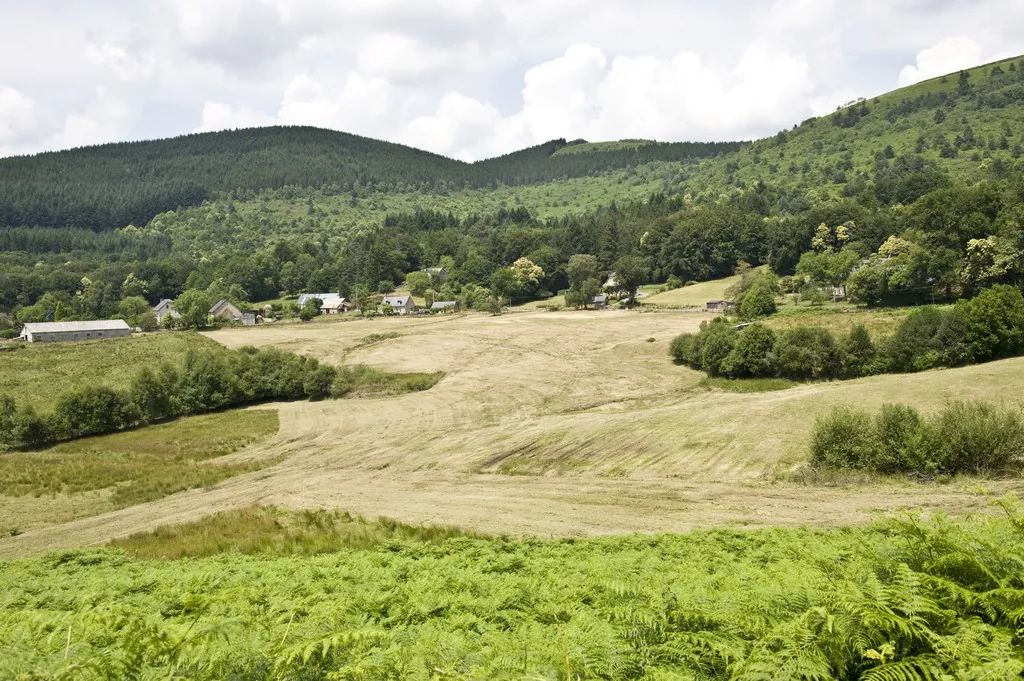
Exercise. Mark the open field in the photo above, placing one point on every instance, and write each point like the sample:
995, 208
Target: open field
694, 295
37, 373
98, 474
552, 423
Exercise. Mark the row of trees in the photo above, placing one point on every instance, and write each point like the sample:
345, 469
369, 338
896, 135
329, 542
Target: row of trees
208, 380
987, 327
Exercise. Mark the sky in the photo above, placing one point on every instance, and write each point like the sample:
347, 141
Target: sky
470, 79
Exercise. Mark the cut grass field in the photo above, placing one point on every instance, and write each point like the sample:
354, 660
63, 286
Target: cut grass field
37, 373
694, 295
109, 472
553, 423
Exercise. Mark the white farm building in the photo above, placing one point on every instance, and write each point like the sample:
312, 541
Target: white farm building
48, 332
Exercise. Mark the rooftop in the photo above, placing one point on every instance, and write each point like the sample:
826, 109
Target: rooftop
57, 327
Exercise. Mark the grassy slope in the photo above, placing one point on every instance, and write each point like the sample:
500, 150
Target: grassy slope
37, 373
98, 474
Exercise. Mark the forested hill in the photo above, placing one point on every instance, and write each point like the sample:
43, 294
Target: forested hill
113, 185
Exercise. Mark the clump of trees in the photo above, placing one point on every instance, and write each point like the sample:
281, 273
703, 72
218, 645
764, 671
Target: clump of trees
965, 437
208, 380
987, 327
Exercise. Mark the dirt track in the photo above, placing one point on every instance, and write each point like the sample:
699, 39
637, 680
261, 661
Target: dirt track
550, 424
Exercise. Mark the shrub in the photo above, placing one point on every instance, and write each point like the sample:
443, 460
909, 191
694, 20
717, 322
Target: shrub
976, 437
91, 411
758, 301
718, 341
808, 353
681, 350
858, 353
994, 323
673, 282
318, 383
753, 354
898, 439
914, 345
965, 437
842, 438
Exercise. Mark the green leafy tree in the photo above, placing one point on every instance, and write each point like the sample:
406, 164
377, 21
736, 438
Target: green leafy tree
417, 283
310, 309
133, 309
581, 267
631, 272
753, 354
193, 306
758, 302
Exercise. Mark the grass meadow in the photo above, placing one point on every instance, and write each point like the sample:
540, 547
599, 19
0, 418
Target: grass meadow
108, 472
37, 373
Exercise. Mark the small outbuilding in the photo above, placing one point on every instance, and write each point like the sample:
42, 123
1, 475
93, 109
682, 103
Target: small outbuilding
400, 305
445, 306
719, 305
600, 302
438, 275
50, 332
226, 310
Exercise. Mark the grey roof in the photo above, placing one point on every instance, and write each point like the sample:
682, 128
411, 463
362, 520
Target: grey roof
441, 304
397, 301
162, 303
601, 299
219, 304
58, 327
324, 297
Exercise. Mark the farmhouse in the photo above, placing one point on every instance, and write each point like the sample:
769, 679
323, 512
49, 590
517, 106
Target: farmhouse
445, 306
401, 305
48, 332
324, 297
225, 309
438, 275
335, 306
164, 309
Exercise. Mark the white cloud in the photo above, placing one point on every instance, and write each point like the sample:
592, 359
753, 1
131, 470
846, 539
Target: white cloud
356, 107
17, 116
102, 120
581, 95
398, 56
125, 66
221, 116
948, 55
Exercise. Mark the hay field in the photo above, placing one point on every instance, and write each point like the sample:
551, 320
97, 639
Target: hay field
694, 295
551, 423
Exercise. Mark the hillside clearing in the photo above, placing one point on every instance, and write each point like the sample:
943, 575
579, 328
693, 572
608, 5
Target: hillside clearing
552, 423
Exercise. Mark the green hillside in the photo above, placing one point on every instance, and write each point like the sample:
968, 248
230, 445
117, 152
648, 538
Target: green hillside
114, 185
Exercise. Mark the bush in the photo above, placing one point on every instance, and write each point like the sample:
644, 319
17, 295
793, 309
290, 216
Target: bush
976, 437
858, 353
91, 411
965, 437
758, 301
753, 354
808, 353
717, 342
842, 438
994, 323
914, 346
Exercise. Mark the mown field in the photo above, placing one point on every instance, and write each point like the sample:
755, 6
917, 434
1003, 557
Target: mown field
904, 599
569, 423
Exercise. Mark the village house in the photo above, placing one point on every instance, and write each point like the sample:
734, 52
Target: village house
438, 275
225, 309
335, 306
323, 297
49, 332
400, 305
444, 306
164, 309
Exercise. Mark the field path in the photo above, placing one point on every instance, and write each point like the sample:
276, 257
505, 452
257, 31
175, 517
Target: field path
554, 424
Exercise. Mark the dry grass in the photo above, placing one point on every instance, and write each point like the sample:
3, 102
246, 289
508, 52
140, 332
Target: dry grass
694, 295
552, 423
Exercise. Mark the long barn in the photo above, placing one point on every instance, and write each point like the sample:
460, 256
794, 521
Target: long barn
49, 332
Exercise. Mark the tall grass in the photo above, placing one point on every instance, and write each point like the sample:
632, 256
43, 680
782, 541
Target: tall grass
361, 380
140, 465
